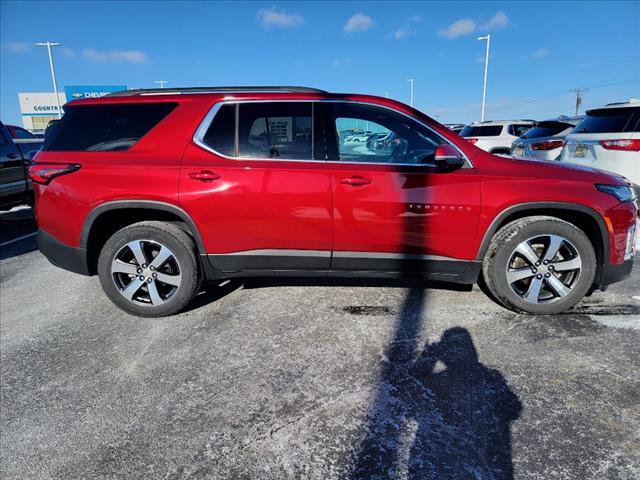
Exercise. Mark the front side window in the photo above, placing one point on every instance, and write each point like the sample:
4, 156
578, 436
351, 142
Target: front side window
519, 130
370, 134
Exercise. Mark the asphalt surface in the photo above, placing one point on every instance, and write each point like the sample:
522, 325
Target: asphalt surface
355, 380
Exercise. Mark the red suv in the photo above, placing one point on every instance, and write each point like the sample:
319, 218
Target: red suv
158, 190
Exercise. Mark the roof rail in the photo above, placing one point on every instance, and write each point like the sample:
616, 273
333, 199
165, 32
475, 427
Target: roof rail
170, 91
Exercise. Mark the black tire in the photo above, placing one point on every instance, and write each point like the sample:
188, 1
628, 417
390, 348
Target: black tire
184, 261
500, 255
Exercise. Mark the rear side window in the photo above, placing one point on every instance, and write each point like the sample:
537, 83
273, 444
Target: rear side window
547, 129
275, 130
106, 127
609, 120
481, 131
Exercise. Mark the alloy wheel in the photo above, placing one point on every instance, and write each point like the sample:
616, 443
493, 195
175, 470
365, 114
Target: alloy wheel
544, 269
146, 272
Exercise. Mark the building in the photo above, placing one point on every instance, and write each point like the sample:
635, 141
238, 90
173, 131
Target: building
39, 108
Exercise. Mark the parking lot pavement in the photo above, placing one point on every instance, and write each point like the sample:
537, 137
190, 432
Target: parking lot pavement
328, 381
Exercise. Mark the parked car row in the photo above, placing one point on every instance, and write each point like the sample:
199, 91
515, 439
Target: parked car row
606, 138
17, 147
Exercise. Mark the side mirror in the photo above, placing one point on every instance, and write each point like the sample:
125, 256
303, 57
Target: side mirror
448, 156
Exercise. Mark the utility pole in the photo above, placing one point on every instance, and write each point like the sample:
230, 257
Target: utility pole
487, 37
161, 82
410, 80
53, 72
579, 92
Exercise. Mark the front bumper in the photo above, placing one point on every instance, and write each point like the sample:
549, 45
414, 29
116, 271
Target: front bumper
615, 273
63, 256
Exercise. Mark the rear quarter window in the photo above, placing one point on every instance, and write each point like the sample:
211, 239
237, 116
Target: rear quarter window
106, 127
483, 131
611, 120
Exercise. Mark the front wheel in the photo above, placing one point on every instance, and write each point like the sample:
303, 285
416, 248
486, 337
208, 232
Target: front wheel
539, 265
149, 269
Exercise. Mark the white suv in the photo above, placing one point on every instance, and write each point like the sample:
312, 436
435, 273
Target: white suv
608, 138
496, 136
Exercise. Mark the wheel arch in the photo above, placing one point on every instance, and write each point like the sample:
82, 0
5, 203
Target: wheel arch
107, 218
581, 216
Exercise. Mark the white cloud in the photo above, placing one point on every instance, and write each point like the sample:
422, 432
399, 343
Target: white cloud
358, 23
274, 18
403, 32
338, 62
500, 19
116, 56
464, 26
67, 52
416, 18
18, 47
541, 53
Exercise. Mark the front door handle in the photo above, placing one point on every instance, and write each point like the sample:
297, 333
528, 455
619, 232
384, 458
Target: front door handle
356, 180
204, 176
13, 156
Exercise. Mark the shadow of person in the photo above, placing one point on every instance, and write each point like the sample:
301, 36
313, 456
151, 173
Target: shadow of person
464, 431
443, 416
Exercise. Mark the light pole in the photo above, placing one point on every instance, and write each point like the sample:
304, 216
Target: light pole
53, 72
161, 82
386, 93
487, 37
410, 80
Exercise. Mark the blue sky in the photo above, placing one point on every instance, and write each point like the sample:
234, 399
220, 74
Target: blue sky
540, 50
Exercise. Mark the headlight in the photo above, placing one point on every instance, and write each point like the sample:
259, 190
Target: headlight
624, 193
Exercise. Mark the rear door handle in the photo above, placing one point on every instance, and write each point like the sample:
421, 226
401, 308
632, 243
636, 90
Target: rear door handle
356, 180
12, 156
204, 176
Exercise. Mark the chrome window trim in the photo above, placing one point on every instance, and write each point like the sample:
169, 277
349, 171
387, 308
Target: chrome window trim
198, 137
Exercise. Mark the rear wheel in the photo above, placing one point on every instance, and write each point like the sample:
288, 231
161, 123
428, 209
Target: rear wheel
539, 265
149, 269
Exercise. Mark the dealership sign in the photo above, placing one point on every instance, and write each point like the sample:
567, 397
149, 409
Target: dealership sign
74, 92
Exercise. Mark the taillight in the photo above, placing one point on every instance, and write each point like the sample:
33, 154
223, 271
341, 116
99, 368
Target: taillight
472, 141
627, 145
549, 145
45, 172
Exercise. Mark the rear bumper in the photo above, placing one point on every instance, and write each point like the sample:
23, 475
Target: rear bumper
63, 256
615, 273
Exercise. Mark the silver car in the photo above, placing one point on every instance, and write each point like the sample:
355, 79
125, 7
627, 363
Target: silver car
545, 140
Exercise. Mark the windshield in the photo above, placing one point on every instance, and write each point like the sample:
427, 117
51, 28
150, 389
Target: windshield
547, 129
609, 120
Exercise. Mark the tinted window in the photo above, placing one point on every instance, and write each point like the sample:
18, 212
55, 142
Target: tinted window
608, 121
547, 129
519, 130
279, 130
105, 128
485, 131
21, 133
221, 133
382, 136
